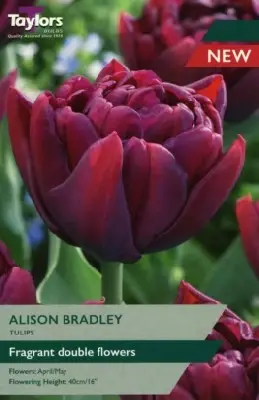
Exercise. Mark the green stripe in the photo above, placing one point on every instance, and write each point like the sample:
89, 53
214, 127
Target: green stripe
233, 31
139, 351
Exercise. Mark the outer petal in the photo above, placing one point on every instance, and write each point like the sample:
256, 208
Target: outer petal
17, 287
5, 83
95, 212
6, 262
19, 116
47, 151
165, 196
127, 40
205, 199
136, 164
247, 213
187, 294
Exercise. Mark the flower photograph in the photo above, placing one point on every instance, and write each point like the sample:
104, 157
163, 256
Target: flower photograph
129, 178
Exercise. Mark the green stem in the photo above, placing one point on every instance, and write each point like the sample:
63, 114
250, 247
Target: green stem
7, 60
112, 282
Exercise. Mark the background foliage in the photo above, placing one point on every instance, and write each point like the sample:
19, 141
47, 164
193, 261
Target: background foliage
213, 262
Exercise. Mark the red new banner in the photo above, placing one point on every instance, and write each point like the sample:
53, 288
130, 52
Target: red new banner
225, 55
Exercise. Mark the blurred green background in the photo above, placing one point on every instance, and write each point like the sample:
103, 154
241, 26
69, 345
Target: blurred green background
213, 262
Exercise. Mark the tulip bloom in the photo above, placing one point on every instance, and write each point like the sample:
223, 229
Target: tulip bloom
247, 213
166, 34
16, 285
232, 374
11, 7
126, 165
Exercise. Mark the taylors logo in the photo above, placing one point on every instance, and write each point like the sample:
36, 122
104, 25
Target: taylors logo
29, 18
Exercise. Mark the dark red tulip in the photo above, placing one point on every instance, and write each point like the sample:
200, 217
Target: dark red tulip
126, 165
16, 285
5, 83
166, 34
247, 212
11, 7
233, 372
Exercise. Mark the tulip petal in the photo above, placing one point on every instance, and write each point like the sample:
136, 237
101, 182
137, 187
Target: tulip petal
145, 78
5, 83
127, 40
205, 199
46, 147
188, 294
18, 287
123, 120
5, 261
145, 50
243, 97
95, 212
72, 85
170, 64
19, 115
247, 213
157, 123
77, 131
214, 88
183, 119
111, 68
196, 150
98, 111
171, 33
165, 196
148, 19
231, 381
135, 164
203, 388
117, 96
146, 97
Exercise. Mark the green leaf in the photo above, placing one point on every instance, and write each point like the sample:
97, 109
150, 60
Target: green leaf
247, 128
153, 279
12, 224
70, 279
232, 281
195, 262
84, 397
